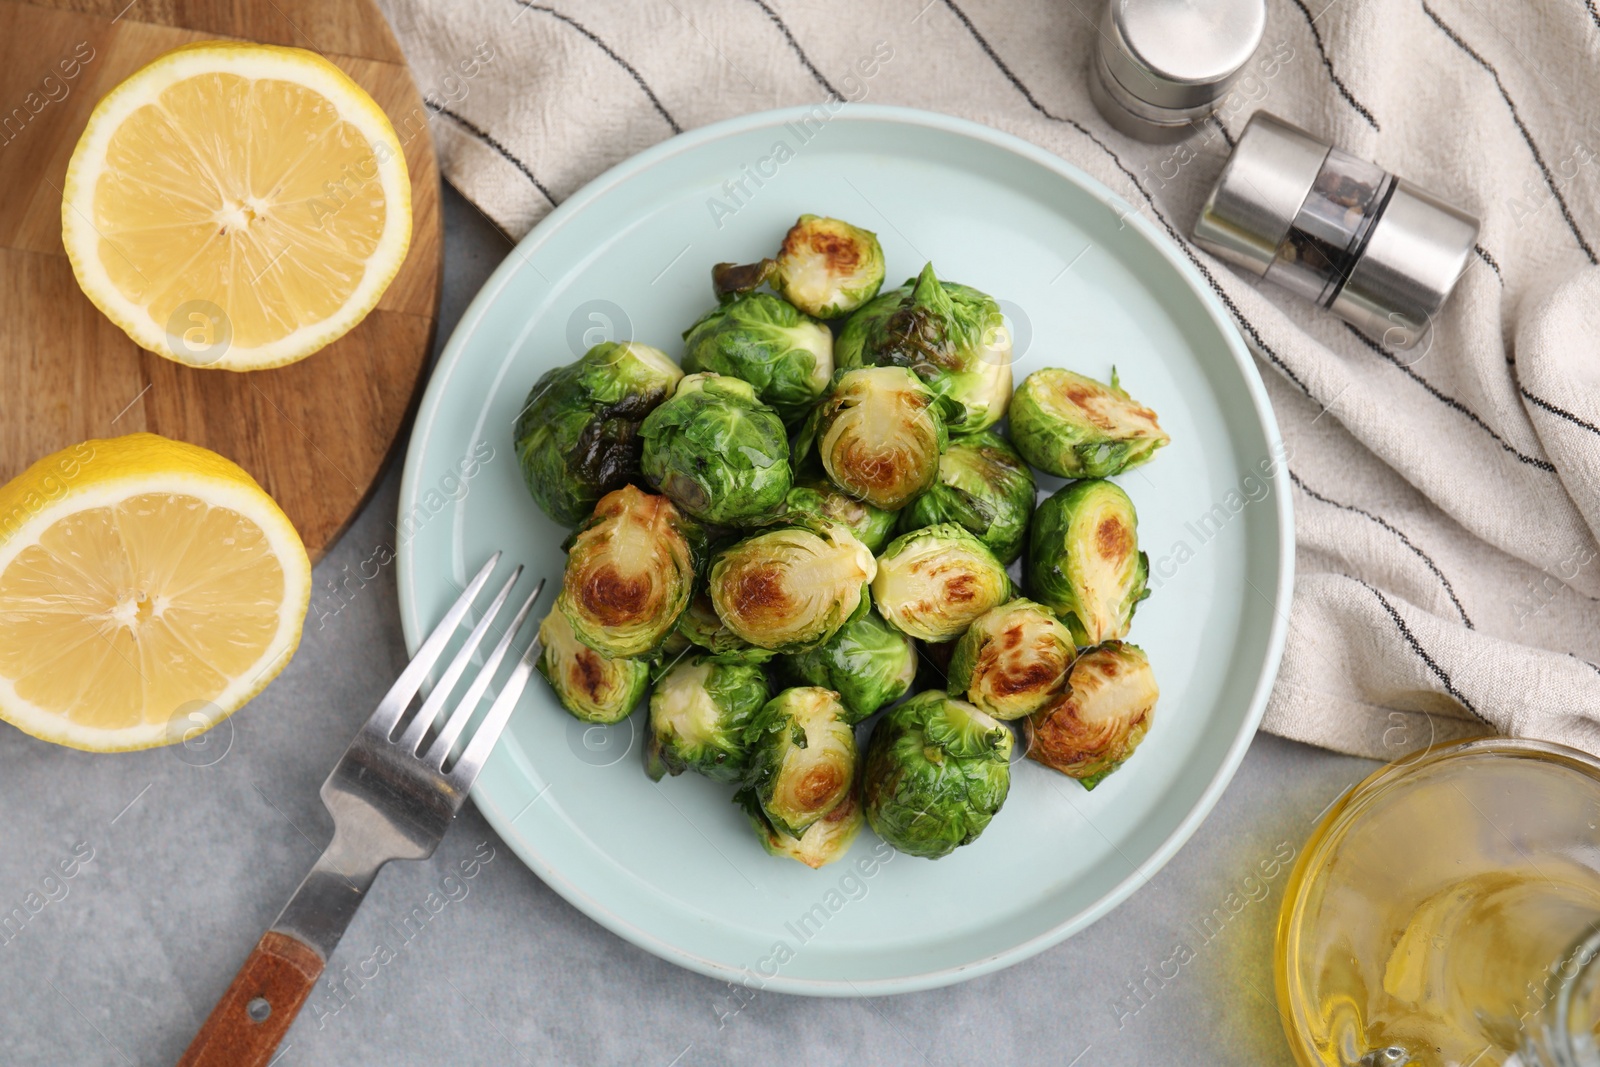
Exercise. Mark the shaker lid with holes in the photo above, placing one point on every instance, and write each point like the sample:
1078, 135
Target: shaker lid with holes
1166, 63
1378, 251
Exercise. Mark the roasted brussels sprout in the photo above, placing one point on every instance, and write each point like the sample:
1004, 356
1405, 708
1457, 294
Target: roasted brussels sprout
577, 437
592, 686
879, 433
953, 336
728, 280
1076, 427
717, 451
937, 769
984, 486
824, 841
699, 712
629, 574
792, 587
933, 582
868, 663
820, 498
802, 757
1089, 730
701, 625
828, 268
766, 342
1012, 660
1084, 562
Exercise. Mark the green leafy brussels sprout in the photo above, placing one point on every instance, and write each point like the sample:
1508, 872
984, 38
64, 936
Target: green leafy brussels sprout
1089, 730
933, 582
766, 342
879, 433
592, 686
717, 451
802, 757
629, 574
1084, 562
791, 588
953, 336
820, 498
1076, 427
1012, 660
984, 486
828, 268
868, 663
577, 437
699, 712
824, 841
937, 769
701, 625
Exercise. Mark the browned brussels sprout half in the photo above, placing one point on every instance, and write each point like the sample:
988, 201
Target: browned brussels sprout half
1076, 427
932, 583
802, 757
577, 438
879, 434
791, 588
593, 687
1012, 660
629, 574
827, 267
1088, 731
1084, 562
824, 841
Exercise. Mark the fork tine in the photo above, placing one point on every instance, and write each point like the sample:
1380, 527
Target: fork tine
465, 772
439, 751
405, 687
411, 740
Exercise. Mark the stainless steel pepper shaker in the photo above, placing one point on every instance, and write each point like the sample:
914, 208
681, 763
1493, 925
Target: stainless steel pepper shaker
1162, 66
1376, 250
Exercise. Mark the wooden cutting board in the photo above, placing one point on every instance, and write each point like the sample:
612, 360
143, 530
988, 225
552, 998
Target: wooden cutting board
317, 434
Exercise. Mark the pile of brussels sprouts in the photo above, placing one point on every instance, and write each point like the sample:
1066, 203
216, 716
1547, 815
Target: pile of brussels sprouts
814, 515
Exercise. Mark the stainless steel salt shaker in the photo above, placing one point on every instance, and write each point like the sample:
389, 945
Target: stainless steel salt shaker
1162, 66
1376, 250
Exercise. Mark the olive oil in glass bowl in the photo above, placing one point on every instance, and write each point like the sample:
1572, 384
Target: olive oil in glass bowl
1446, 913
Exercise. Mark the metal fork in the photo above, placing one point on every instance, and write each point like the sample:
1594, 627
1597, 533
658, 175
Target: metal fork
391, 799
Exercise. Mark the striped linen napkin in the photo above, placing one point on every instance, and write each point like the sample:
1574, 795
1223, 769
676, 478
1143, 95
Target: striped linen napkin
1446, 503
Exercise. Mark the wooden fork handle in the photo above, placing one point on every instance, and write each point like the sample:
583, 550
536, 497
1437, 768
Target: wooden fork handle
253, 1015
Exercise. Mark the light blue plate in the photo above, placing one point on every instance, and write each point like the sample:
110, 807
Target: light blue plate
1087, 282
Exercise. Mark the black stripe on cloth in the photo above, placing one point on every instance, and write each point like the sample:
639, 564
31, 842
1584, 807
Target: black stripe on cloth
1178, 238
1580, 659
1516, 117
1560, 412
1594, 14
1422, 653
1338, 83
618, 60
1432, 566
484, 136
1450, 401
1483, 254
805, 60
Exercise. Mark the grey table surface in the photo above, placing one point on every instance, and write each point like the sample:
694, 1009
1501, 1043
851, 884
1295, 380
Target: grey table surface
194, 850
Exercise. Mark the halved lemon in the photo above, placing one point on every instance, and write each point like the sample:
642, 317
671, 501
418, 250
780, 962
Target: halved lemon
236, 206
148, 589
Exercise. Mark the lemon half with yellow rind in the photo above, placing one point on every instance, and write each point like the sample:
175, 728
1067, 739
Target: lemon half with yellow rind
148, 589
236, 206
